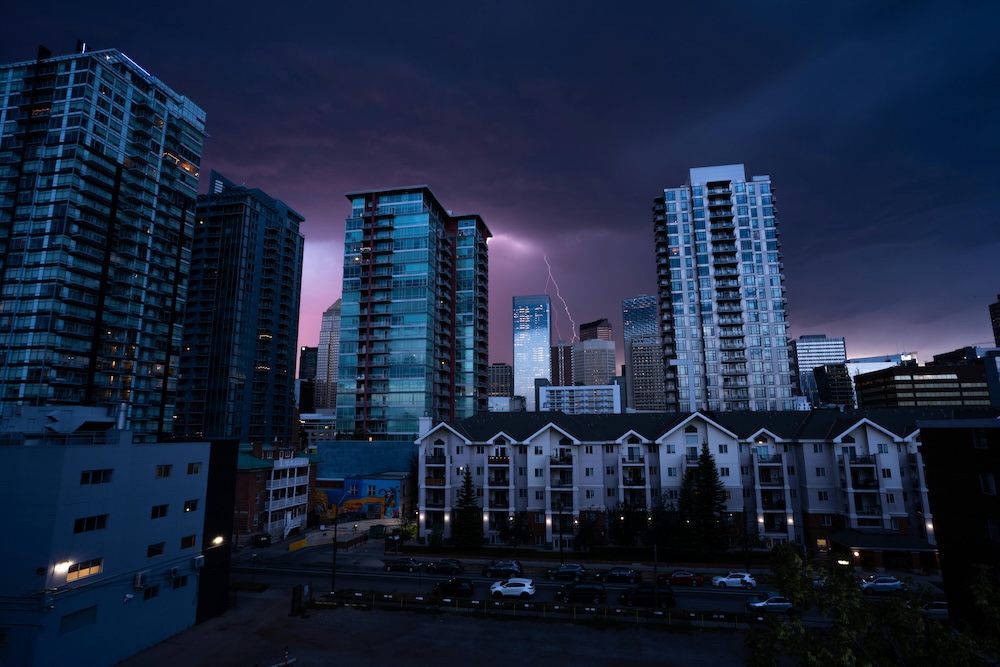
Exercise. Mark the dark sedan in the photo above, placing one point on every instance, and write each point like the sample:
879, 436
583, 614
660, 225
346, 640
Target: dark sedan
445, 566
456, 587
573, 571
401, 565
681, 578
622, 574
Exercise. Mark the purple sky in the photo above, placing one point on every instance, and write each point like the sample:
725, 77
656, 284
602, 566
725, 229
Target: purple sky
879, 124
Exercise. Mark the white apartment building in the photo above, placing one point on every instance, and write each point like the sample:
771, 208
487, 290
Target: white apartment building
849, 482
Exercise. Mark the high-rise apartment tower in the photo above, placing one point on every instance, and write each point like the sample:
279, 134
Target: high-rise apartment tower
722, 293
99, 165
413, 335
241, 324
532, 345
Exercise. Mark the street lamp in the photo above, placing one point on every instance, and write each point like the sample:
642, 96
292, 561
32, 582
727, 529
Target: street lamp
333, 569
559, 509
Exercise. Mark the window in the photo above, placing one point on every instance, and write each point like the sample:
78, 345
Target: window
163, 470
654, 470
188, 541
671, 472
818, 448
538, 451
180, 582
479, 492
191, 505
821, 472
886, 473
588, 472
158, 512
744, 470
458, 449
823, 495
154, 550
84, 569
609, 449
480, 449
723, 472
883, 448
194, 468
590, 493
539, 472
791, 469
611, 493
522, 471
987, 484
826, 520
96, 476
890, 498
539, 495
589, 449
90, 523
609, 470
479, 471
151, 592
77, 619
894, 524
522, 493
723, 449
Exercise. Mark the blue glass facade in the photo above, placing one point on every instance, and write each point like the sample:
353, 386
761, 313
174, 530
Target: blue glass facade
532, 345
413, 339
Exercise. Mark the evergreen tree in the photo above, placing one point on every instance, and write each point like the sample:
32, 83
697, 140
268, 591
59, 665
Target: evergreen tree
516, 531
702, 506
467, 531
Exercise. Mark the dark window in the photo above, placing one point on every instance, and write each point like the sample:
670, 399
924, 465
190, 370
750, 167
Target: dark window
154, 550
96, 476
90, 523
159, 511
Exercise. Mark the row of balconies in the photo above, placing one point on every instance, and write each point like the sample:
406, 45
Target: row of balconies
283, 503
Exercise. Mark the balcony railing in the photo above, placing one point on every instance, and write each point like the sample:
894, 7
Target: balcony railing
498, 460
436, 459
772, 481
634, 481
434, 481
862, 460
633, 460
564, 460
498, 481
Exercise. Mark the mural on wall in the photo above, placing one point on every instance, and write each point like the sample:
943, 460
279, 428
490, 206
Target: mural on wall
379, 501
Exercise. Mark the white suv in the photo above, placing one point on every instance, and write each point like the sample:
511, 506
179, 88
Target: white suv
513, 588
734, 580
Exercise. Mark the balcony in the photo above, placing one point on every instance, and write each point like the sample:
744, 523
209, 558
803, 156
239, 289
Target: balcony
865, 483
561, 460
862, 460
633, 460
498, 460
769, 458
634, 481
436, 459
869, 510
771, 481
498, 480
434, 481
561, 483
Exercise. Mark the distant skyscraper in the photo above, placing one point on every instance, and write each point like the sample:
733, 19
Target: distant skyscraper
643, 355
722, 294
561, 374
413, 335
598, 329
99, 176
501, 380
593, 362
834, 386
814, 350
241, 324
327, 357
995, 320
532, 345
307, 362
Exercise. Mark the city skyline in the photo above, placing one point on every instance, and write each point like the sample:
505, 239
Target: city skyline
560, 127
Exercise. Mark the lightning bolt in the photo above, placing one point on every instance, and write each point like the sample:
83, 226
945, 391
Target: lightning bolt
559, 296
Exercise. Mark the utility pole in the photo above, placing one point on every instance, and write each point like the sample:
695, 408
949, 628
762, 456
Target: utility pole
333, 568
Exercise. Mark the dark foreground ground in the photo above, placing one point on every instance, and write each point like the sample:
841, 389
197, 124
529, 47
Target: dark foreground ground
259, 632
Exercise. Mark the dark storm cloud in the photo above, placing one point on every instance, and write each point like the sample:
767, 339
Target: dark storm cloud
559, 123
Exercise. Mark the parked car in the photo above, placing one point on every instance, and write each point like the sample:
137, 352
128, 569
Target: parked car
734, 580
445, 566
261, 540
938, 610
582, 592
769, 602
515, 587
649, 595
457, 587
681, 578
401, 565
623, 574
502, 568
573, 571
881, 584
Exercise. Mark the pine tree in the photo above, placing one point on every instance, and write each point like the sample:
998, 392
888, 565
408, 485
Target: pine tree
467, 531
701, 506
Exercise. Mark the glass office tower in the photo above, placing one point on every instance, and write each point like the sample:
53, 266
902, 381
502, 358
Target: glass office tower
414, 311
99, 165
643, 355
532, 345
